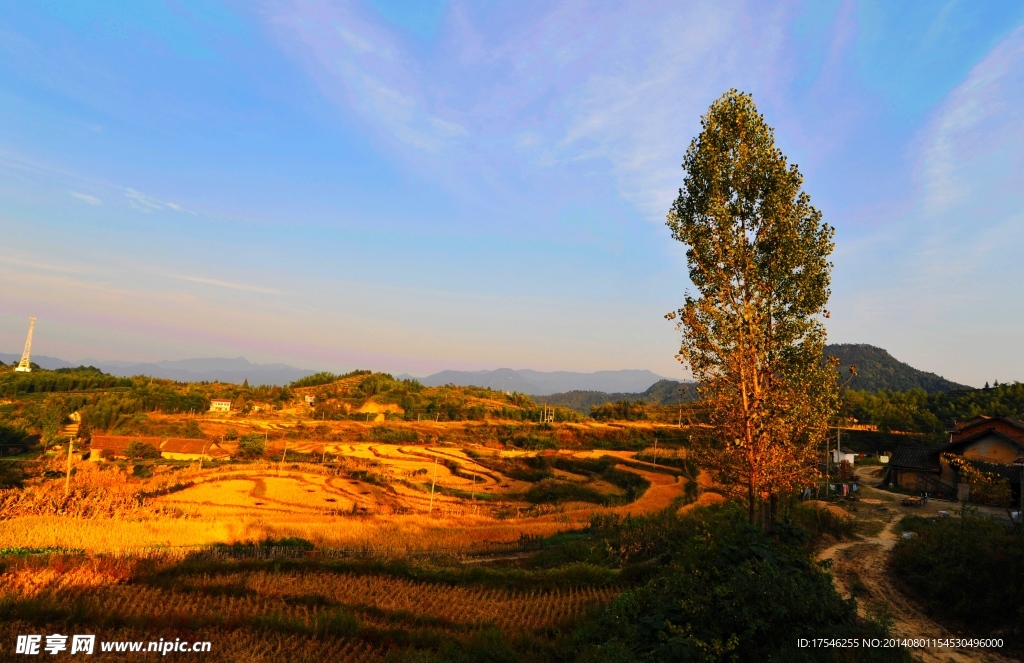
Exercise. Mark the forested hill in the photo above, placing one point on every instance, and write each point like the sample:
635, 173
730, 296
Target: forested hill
877, 369
662, 392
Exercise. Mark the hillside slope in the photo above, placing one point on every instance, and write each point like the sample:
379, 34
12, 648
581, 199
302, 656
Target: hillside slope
536, 383
877, 369
662, 392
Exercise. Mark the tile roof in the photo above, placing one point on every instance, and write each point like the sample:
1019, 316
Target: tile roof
984, 419
182, 445
117, 444
915, 458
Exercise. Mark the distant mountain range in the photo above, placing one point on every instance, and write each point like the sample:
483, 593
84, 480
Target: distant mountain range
235, 370
877, 369
539, 383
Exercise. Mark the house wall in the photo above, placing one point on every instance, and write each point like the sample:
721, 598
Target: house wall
992, 449
170, 455
909, 480
838, 457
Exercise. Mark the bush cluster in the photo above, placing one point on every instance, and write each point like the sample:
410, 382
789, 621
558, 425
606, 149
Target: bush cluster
970, 569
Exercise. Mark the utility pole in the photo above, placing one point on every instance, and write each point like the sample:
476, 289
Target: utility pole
283, 454
432, 482
67, 479
655, 452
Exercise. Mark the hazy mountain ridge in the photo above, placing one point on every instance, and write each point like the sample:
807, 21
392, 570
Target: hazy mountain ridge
876, 369
213, 369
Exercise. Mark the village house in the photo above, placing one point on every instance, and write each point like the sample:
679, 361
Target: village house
220, 405
992, 444
110, 447
310, 400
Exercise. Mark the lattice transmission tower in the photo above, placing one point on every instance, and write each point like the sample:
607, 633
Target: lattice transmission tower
25, 365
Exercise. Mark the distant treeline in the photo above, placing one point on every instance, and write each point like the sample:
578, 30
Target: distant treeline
918, 411
324, 377
82, 378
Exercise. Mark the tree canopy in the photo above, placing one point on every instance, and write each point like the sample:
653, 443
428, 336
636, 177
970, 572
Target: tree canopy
758, 256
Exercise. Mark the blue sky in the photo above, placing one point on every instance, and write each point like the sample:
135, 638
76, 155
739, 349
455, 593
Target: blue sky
418, 185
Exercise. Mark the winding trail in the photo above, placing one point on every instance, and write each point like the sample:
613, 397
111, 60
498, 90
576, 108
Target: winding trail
867, 560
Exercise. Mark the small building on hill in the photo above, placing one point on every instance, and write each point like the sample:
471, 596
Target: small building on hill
990, 444
310, 400
220, 405
180, 448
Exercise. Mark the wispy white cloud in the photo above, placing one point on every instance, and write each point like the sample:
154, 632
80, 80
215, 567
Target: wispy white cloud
360, 67
84, 197
982, 116
143, 203
619, 90
35, 264
225, 284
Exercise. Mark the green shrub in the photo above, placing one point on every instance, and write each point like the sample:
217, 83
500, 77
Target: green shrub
142, 450
970, 569
392, 435
11, 475
252, 445
819, 522
551, 491
334, 623
726, 591
531, 442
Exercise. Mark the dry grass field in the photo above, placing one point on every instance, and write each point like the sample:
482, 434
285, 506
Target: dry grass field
387, 521
118, 555
378, 498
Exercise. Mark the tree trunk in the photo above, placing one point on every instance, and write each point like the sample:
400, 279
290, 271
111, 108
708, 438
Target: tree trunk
751, 502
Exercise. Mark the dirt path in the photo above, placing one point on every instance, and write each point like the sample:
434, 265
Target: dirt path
861, 568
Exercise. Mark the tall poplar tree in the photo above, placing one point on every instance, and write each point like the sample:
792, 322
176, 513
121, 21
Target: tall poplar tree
753, 336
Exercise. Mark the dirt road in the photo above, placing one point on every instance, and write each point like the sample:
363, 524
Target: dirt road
861, 569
